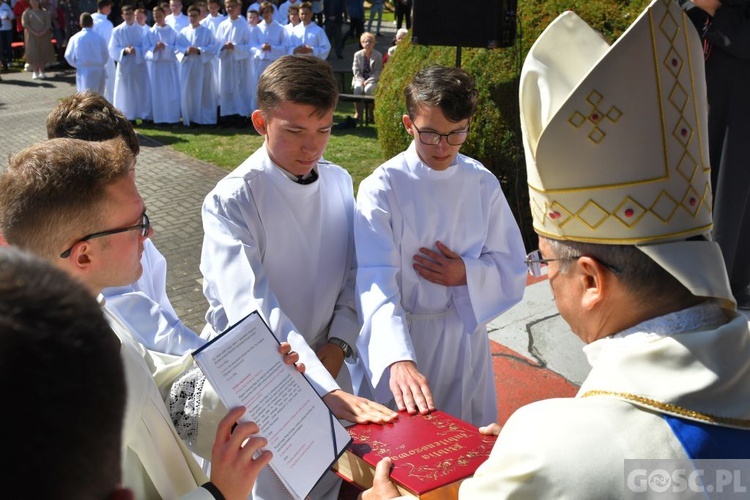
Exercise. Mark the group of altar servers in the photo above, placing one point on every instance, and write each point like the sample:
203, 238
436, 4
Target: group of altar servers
184, 67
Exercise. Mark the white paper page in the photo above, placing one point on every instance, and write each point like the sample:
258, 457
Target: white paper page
244, 367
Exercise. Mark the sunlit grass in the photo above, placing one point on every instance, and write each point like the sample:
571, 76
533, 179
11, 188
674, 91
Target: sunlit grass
356, 149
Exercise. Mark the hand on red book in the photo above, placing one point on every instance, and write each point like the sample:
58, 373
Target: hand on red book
492, 429
290, 357
233, 468
382, 487
410, 388
358, 410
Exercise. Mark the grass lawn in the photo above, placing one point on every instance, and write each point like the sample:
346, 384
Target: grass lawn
357, 149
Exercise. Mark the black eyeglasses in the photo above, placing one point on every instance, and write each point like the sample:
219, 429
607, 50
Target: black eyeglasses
433, 138
144, 227
538, 266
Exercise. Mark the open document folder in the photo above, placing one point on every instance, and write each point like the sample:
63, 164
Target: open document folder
245, 368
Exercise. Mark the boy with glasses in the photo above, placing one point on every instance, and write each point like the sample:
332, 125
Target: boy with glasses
439, 256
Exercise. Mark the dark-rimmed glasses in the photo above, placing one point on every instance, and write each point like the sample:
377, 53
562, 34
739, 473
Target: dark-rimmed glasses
433, 138
538, 266
144, 227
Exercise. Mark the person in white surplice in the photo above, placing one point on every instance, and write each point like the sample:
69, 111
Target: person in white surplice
87, 53
212, 22
128, 47
268, 44
439, 256
104, 27
84, 203
235, 64
278, 239
307, 37
164, 75
196, 50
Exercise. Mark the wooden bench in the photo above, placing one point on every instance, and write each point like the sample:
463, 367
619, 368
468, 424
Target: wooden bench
17, 49
368, 102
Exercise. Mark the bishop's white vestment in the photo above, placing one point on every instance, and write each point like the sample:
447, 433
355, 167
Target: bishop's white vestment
404, 206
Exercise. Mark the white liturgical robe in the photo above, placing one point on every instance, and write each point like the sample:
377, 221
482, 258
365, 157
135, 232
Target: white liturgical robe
313, 36
87, 52
197, 85
156, 463
235, 68
285, 249
274, 35
145, 308
212, 23
403, 206
104, 27
132, 88
177, 23
164, 74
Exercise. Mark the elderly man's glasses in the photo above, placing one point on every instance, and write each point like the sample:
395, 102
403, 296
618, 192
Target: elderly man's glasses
433, 138
538, 266
144, 227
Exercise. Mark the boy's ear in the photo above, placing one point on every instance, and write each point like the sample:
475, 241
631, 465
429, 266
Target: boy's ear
259, 121
408, 124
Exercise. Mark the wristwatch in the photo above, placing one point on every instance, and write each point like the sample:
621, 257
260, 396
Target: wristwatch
343, 345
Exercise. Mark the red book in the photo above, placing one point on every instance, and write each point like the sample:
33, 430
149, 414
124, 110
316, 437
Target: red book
432, 454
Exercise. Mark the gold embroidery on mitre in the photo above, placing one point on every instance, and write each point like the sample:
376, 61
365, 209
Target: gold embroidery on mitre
595, 116
672, 409
592, 214
664, 207
629, 212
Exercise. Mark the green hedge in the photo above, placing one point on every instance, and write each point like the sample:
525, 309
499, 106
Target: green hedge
495, 137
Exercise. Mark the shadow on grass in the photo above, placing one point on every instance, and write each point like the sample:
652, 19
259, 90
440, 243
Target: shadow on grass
167, 135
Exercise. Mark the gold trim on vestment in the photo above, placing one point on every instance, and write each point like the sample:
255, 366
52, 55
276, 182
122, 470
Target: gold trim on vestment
673, 409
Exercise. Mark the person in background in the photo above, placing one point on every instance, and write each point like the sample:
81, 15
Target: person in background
725, 29
176, 19
141, 19
164, 74
6, 34
356, 10
38, 49
87, 52
334, 14
294, 21
400, 34
403, 13
132, 93
103, 26
196, 50
366, 68
376, 8
282, 14
234, 38
307, 37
